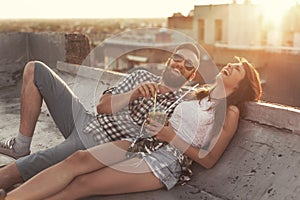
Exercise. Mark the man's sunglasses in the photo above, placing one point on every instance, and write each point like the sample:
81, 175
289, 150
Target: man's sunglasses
188, 64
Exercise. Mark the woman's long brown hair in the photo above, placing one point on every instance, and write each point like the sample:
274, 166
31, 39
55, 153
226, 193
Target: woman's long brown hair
249, 89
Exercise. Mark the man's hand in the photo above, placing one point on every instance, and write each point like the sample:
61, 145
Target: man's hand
109, 103
146, 90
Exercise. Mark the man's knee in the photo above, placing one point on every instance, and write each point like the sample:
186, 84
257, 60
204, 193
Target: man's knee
29, 70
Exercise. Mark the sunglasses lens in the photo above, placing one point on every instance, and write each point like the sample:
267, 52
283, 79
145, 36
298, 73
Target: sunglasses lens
177, 58
189, 65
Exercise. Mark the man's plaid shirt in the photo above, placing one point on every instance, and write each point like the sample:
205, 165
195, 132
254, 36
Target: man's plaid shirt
127, 123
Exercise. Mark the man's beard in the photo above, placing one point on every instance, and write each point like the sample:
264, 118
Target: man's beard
171, 79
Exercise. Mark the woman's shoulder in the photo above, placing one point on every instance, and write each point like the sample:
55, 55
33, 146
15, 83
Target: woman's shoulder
234, 109
232, 118
233, 114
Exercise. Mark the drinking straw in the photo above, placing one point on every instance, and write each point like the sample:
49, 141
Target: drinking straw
181, 97
154, 101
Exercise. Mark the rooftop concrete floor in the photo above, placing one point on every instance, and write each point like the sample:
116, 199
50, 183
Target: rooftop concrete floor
261, 163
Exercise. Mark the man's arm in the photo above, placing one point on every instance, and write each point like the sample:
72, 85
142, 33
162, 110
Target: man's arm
112, 103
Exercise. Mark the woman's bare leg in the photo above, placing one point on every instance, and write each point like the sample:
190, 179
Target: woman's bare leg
126, 177
9, 176
57, 177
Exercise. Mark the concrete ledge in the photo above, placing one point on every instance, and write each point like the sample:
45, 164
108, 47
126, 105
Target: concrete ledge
90, 72
261, 163
275, 115
88, 83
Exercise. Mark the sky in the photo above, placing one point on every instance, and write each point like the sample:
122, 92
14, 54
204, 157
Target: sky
94, 8
104, 8
97, 8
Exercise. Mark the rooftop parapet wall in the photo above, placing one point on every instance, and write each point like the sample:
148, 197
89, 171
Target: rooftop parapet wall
16, 49
279, 116
89, 83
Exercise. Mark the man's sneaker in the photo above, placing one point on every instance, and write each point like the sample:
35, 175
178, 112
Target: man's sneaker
7, 148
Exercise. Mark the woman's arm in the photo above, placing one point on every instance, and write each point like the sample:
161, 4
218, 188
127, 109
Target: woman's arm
206, 158
219, 143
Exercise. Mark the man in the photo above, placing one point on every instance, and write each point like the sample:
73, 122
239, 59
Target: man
122, 111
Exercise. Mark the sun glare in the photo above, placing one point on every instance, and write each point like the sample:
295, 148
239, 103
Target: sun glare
273, 11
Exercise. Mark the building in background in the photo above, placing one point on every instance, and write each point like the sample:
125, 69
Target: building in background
229, 30
239, 27
149, 49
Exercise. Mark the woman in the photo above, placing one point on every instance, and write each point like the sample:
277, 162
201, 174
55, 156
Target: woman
189, 135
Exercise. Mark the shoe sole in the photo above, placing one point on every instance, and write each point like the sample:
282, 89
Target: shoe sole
7, 155
10, 156
1, 166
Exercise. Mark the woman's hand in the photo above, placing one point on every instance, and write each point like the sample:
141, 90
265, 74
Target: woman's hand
161, 132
